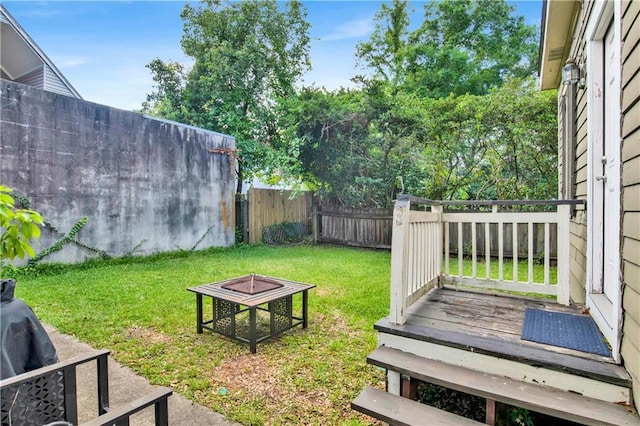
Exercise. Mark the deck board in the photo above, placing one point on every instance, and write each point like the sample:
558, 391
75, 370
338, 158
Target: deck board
490, 324
488, 315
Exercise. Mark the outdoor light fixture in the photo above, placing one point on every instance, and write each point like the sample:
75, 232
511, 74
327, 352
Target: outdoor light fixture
572, 74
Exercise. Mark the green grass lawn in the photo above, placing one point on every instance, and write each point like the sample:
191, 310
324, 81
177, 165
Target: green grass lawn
141, 311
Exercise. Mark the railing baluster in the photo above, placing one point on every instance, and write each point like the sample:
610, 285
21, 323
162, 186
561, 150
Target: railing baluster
530, 249
500, 251
446, 248
421, 265
411, 255
474, 257
547, 254
428, 249
487, 250
460, 249
514, 249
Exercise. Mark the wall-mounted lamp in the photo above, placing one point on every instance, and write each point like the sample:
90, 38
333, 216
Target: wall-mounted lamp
572, 74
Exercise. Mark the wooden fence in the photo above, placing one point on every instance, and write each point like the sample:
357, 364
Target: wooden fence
271, 206
370, 227
360, 227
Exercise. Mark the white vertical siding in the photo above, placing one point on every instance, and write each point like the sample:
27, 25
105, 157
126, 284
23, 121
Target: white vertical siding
630, 83
53, 83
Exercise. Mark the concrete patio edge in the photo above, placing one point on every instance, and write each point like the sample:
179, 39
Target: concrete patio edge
126, 386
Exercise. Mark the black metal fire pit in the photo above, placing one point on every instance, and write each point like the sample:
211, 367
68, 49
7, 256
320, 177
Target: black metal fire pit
231, 299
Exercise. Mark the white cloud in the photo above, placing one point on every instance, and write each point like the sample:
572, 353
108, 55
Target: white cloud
41, 13
70, 61
352, 29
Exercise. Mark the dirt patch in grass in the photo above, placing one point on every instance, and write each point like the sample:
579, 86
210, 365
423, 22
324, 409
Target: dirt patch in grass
288, 379
147, 335
251, 373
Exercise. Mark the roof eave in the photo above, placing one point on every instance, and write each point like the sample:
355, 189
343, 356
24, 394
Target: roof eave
558, 23
36, 49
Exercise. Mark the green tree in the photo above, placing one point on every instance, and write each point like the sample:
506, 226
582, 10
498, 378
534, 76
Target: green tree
248, 56
362, 147
353, 144
333, 134
462, 46
498, 146
386, 51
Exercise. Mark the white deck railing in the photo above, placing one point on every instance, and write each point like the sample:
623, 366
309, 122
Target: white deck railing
422, 248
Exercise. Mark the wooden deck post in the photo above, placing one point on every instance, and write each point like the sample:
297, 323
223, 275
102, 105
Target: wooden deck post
409, 387
399, 256
564, 237
490, 418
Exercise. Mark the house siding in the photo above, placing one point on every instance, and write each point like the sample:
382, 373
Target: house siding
630, 82
578, 265
53, 83
630, 183
34, 78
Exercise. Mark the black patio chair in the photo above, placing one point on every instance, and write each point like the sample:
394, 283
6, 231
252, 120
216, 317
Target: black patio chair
48, 396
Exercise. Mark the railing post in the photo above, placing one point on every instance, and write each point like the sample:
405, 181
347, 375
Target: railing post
399, 255
564, 237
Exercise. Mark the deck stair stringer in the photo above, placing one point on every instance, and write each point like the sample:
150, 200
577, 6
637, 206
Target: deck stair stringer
543, 399
605, 382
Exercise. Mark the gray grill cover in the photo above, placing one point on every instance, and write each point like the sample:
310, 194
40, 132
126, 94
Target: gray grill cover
25, 344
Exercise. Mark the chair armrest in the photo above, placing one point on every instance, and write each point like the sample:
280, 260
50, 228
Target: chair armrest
120, 416
18, 392
59, 366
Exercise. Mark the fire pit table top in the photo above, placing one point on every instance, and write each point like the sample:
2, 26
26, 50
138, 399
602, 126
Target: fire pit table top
251, 290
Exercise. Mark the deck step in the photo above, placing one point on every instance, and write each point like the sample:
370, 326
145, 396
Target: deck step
542, 399
396, 410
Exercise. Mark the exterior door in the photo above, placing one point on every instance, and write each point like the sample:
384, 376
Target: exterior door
611, 171
603, 203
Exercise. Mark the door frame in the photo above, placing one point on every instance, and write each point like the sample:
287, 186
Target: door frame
605, 310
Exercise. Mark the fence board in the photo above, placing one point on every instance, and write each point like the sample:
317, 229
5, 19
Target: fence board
361, 227
270, 206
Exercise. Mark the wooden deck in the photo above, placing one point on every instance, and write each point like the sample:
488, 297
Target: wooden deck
491, 324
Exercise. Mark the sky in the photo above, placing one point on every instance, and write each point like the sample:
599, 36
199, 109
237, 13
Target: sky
102, 47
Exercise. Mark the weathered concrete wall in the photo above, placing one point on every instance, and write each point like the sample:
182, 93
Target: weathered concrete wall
141, 182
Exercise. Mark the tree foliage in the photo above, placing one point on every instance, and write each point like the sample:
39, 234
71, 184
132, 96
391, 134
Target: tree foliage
248, 55
450, 112
18, 227
363, 147
462, 46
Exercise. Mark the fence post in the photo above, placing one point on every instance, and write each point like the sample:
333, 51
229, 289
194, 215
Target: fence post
314, 223
399, 254
564, 244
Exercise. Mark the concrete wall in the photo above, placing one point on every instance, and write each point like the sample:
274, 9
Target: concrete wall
141, 182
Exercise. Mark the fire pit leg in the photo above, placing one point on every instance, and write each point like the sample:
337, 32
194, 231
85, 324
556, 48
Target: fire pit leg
199, 313
305, 308
252, 330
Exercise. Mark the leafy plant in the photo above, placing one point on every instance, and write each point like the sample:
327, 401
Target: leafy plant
19, 227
